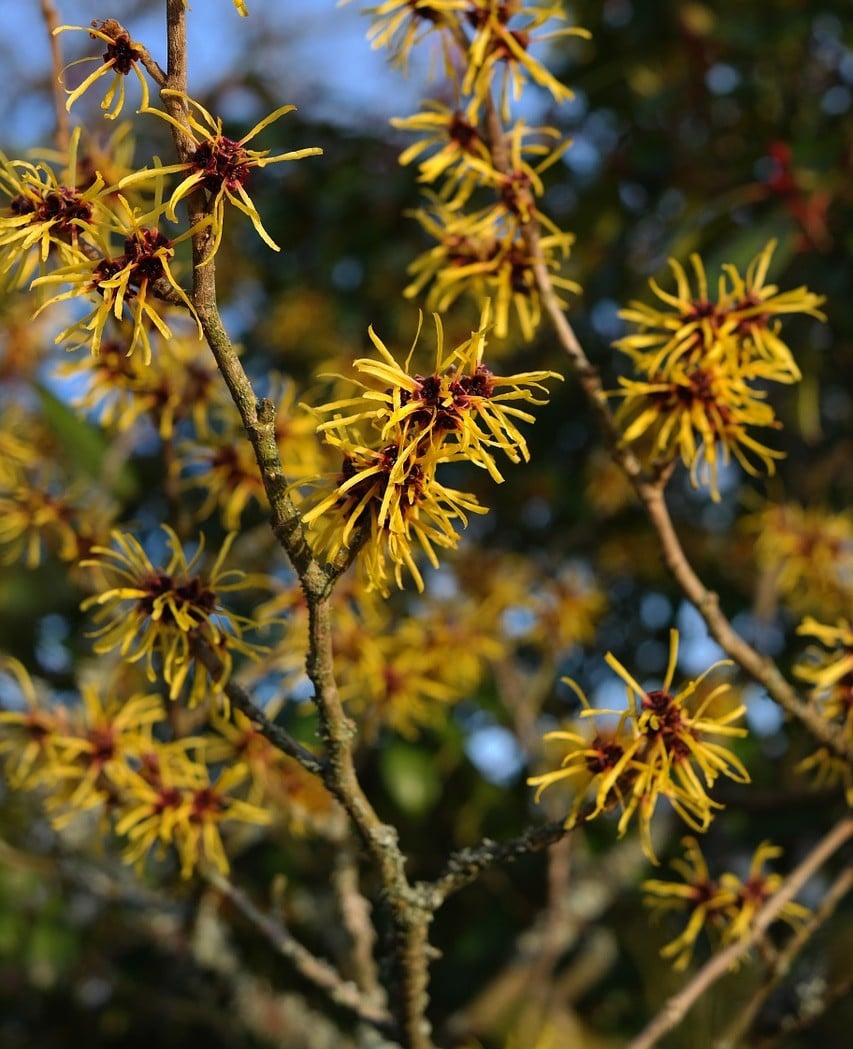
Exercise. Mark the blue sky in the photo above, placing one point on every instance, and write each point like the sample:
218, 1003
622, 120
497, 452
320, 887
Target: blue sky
316, 51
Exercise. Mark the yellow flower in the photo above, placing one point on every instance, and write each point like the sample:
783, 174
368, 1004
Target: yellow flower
44, 214
221, 461
742, 315
129, 281
390, 514
29, 737
727, 905
659, 749
459, 408
701, 413
485, 254
753, 893
830, 673
162, 616
219, 166
496, 43
121, 56
808, 551
176, 804
462, 157
704, 900
107, 735
401, 24
274, 780
177, 384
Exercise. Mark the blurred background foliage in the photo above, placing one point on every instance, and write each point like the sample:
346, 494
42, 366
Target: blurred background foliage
697, 127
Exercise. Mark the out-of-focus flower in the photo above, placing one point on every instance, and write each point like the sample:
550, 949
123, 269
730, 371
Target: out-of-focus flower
29, 737
726, 906
222, 463
176, 804
401, 24
177, 384
121, 56
809, 551
829, 670
219, 166
107, 734
484, 254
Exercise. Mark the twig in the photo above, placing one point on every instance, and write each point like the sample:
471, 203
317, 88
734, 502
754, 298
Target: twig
241, 699
355, 912
465, 865
316, 970
783, 961
51, 21
676, 1008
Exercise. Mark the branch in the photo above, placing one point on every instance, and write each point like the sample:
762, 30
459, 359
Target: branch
757, 666
51, 21
410, 910
466, 865
241, 699
315, 970
676, 1008
355, 913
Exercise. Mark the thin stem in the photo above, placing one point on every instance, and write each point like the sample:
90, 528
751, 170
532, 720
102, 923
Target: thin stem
355, 912
63, 127
677, 1007
241, 699
466, 865
410, 911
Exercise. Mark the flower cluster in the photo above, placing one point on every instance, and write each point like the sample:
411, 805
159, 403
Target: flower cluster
131, 281
493, 250
829, 670
704, 364
102, 756
658, 748
171, 618
63, 226
48, 213
387, 497
726, 905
